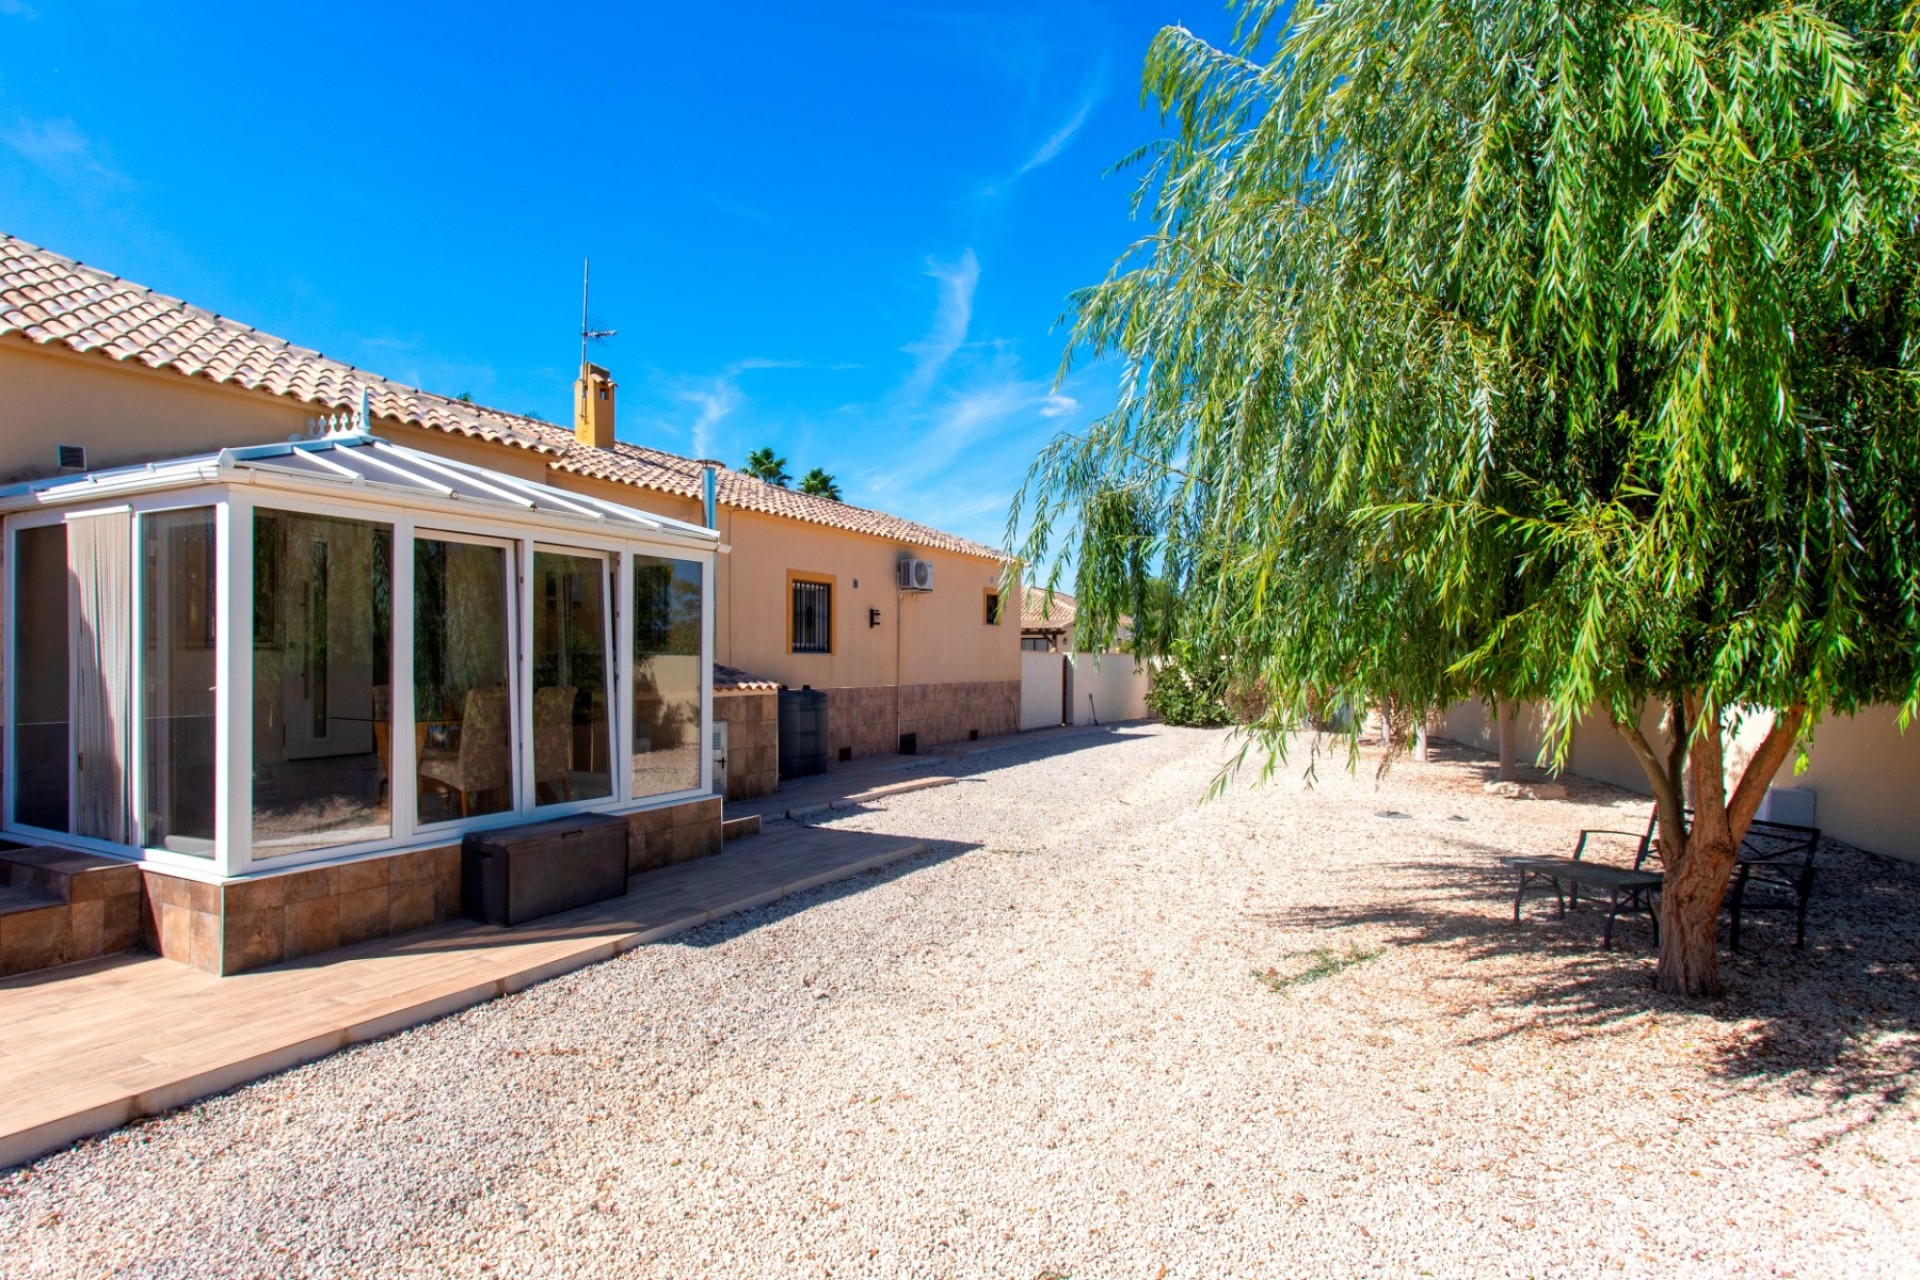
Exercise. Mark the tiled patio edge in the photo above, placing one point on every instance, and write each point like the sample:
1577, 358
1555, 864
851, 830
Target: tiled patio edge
102, 1115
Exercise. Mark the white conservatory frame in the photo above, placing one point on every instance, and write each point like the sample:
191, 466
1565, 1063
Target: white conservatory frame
414, 493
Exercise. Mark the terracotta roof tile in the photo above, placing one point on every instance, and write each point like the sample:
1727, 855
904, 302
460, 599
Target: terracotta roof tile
733, 680
51, 299
1036, 615
669, 473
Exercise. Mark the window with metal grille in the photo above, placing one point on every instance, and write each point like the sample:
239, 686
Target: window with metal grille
993, 608
812, 617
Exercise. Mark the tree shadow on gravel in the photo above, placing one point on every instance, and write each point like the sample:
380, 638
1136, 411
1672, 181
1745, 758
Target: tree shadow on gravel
1838, 1023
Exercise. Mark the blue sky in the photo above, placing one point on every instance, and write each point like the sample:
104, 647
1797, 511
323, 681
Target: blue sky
845, 230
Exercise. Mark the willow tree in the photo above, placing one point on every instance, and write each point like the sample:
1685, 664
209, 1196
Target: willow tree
1558, 351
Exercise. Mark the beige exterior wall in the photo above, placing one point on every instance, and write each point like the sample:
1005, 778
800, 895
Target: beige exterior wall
1864, 773
934, 637
122, 414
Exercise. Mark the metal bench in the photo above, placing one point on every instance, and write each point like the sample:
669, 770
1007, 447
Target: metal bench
1628, 889
1775, 863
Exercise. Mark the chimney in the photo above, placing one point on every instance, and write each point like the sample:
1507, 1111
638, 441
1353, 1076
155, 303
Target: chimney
593, 407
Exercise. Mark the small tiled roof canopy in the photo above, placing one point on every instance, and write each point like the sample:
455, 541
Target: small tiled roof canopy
733, 680
50, 299
1037, 613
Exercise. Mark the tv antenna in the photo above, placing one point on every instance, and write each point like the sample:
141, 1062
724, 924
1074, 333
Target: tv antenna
587, 332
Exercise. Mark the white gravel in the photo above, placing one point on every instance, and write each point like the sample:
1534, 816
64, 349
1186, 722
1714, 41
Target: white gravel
1043, 1051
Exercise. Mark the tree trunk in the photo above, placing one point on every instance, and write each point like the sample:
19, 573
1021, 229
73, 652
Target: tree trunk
1504, 712
1698, 856
1420, 743
1696, 882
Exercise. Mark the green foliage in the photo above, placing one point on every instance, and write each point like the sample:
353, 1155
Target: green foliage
820, 484
1554, 350
1551, 350
765, 465
1192, 688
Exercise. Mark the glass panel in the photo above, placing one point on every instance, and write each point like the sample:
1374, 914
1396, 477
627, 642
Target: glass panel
322, 680
178, 648
462, 705
666, 675
42, 749
572, 749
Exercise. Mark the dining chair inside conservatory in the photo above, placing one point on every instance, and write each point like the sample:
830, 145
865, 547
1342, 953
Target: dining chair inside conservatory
553, 737
479, 763
383, 734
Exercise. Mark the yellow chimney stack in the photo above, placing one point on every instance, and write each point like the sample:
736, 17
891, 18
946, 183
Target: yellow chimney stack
593, 407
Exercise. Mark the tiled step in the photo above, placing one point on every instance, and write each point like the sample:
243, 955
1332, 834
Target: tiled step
69, 875
59, 905
14, 900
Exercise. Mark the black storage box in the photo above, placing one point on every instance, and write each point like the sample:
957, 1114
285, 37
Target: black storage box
518, 874
803, 732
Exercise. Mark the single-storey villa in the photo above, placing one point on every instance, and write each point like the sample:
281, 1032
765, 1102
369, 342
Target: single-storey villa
278, 634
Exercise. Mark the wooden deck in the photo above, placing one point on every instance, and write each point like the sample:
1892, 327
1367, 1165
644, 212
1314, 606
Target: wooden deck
88, 1047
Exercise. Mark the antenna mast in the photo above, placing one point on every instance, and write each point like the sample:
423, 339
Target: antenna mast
587, 334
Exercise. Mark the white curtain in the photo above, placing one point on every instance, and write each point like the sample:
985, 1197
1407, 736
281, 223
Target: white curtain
100, 640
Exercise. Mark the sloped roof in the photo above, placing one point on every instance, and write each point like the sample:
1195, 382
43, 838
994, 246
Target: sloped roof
668, 473
49, 299
1035, 615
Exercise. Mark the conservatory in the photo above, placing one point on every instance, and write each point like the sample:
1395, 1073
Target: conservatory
337, 649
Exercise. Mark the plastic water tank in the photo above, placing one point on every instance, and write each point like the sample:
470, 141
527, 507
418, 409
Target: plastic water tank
803, 732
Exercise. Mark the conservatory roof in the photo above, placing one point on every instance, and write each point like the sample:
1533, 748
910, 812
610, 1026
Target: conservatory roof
373, 466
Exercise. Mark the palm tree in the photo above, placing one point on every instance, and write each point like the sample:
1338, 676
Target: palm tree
821, 485
764, 464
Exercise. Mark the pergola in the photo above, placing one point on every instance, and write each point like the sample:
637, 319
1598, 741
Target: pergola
338, 647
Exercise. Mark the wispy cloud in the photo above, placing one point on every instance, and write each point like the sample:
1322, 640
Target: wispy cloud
718, 398
952, 315
18, 9
1057, 140
59, 148
716, 402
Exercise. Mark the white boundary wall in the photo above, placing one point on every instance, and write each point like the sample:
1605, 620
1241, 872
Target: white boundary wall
1864, 773
1042, 676
1118, 688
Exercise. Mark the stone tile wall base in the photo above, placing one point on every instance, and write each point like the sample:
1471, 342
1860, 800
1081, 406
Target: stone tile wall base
231, 928
753, 742
865, 719
677, 833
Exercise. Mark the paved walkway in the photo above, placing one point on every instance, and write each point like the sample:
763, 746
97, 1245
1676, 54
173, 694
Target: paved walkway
89, 1047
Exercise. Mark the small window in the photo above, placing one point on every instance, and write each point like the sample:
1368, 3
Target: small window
812, 616
993, 608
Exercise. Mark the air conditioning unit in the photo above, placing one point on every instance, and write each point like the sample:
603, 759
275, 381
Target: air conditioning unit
916, 575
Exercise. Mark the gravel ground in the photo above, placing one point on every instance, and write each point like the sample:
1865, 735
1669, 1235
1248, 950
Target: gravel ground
1099, 1030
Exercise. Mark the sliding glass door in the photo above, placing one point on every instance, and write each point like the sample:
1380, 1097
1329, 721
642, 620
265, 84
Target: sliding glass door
667, 634
572, 631
178, 652
462, 678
